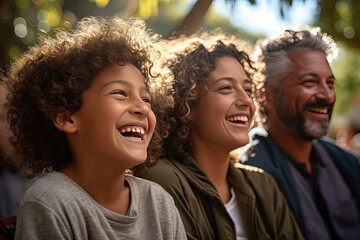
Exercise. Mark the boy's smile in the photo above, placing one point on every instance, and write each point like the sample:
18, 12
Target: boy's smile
115, 122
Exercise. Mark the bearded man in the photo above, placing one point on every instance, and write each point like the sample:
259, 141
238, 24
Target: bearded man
320, 180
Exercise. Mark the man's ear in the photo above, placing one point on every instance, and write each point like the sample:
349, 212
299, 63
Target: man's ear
63, 120
268, 94
269, 99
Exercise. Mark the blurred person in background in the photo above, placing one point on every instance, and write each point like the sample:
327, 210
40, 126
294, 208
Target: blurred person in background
12, 183
353, 132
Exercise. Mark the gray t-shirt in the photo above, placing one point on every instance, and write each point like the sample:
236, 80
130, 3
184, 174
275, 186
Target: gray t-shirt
55, 207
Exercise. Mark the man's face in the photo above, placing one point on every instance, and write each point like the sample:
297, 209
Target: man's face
307, 98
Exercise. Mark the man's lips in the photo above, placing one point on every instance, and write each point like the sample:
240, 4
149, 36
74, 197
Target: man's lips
319, 107
319, 110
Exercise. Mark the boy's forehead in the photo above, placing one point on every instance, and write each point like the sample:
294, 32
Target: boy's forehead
113, 72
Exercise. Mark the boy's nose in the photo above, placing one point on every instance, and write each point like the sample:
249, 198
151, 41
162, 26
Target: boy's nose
140, 107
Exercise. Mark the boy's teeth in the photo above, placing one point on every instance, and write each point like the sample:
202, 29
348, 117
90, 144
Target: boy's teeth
133, 130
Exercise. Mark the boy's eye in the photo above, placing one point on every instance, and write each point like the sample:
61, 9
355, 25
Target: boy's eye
146, 99
119, 92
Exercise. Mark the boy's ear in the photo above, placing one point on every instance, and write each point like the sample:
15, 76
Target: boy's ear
63, 121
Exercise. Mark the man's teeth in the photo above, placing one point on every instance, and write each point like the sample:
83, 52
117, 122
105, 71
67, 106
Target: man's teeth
319, 110
133, 129
238, 118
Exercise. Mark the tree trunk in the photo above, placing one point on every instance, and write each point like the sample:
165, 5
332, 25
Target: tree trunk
193, 20
130, 9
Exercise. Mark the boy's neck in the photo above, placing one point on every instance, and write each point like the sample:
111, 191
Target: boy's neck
110, 191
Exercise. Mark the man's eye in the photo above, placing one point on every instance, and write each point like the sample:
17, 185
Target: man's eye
308, 82
331, 82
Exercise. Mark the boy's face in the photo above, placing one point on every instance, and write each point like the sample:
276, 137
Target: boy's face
115, 121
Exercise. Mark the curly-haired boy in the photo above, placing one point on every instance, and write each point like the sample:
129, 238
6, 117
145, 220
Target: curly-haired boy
80, 110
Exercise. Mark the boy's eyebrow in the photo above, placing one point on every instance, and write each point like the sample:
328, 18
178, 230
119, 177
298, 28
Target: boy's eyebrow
232, 79
124, 82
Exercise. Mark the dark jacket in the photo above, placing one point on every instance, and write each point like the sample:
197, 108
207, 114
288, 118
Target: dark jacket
267, 155
263, 208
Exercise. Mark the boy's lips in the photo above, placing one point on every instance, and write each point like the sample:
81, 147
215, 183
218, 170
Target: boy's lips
133, 132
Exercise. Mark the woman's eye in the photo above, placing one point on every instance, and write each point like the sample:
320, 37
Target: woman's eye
227, 87
248, 91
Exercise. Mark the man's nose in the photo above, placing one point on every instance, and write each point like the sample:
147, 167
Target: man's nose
326, 93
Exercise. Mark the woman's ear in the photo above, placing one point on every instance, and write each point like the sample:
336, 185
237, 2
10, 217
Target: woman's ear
63, 120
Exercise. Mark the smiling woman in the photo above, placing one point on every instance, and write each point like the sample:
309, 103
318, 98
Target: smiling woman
211, 115
81, 111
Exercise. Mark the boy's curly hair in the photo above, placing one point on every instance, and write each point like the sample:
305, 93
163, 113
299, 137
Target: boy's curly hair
190, 68
56, 72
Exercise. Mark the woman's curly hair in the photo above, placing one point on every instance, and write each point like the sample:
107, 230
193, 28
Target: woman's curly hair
56, 72
190, 68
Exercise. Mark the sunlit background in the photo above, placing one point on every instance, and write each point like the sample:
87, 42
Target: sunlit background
23, 21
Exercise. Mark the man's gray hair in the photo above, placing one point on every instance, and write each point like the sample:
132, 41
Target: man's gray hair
274, 53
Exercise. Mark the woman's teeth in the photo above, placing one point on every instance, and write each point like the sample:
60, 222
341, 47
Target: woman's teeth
237, 119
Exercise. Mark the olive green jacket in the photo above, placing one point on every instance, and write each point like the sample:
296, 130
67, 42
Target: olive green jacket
263, 208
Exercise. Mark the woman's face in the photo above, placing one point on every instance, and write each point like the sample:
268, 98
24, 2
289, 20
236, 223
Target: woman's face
224, 112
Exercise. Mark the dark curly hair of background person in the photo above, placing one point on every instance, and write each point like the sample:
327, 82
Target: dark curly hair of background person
56, 72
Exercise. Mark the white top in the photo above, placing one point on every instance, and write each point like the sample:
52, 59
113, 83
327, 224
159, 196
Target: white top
55, 207
233, 209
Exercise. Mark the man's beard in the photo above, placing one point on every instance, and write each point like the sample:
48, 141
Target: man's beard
301, 126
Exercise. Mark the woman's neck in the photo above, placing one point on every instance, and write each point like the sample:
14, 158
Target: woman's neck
215, 163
